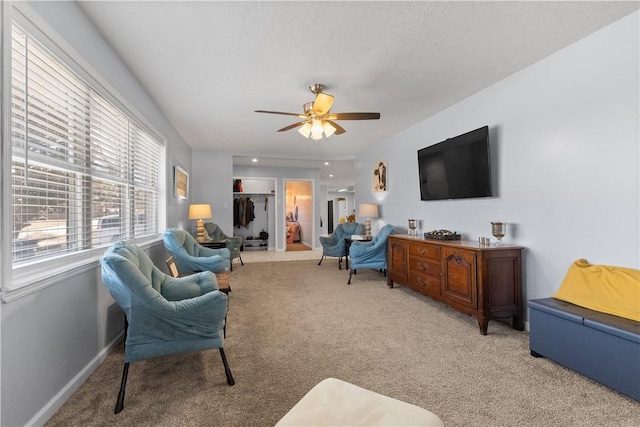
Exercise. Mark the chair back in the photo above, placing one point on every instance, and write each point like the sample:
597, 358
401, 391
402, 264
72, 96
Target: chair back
176, 239
190, 256
371, 254
348, 229
214, 231
383, 234
138, 269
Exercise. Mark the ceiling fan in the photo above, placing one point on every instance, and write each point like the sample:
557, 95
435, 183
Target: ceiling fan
318, 119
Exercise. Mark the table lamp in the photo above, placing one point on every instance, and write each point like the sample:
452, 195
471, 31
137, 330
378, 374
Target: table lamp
200, 213
368, 210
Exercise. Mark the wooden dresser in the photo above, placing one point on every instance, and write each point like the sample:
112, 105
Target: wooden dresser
482, 281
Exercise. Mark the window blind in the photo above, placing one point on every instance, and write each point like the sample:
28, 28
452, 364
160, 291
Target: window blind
84, 173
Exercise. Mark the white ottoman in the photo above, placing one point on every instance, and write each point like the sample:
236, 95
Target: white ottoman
334, 402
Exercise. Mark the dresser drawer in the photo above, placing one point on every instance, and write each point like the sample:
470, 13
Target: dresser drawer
424, 266
424, 250
425, 284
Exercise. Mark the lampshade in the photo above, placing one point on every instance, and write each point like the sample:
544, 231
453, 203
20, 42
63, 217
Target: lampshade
202, 211
368, 210
305, 130
328, 129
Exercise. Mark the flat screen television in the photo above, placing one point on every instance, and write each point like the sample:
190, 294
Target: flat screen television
457, 168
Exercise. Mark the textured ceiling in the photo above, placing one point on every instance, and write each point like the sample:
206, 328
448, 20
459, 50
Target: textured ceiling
210, 64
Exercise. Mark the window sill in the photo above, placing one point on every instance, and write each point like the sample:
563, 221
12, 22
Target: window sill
32, 278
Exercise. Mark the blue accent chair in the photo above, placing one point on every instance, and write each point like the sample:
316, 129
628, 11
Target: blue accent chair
233, 243
371, 254
334, 245
164, 315
191, 256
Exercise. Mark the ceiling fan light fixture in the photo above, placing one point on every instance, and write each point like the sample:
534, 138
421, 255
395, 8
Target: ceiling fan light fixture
305, 130
316, 136
316, 128
328, 128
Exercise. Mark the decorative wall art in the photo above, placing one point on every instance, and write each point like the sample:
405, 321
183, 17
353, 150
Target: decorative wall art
180, 183
379, 176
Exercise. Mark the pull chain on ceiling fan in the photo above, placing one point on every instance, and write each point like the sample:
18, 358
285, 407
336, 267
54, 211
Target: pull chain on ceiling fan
318, 120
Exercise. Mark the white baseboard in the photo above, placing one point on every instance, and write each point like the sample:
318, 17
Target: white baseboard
47, 411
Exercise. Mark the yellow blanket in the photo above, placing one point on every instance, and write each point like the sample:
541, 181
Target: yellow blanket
612, 290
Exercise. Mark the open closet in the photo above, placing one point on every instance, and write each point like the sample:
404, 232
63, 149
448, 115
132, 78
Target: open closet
254, 212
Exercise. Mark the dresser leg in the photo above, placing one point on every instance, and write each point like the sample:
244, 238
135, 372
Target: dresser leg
483, 324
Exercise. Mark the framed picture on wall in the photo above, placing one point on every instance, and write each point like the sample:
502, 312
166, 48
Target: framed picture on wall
180, 183
379, 178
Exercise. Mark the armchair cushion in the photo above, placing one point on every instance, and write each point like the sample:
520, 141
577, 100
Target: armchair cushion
371, 254
191, 256
166, 315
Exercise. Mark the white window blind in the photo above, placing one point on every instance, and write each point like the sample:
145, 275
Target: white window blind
84, 172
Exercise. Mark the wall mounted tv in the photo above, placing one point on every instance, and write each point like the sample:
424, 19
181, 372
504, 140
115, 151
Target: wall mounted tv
457, 168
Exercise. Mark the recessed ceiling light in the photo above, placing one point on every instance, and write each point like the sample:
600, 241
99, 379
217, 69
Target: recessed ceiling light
254, 160
330, 176
326, 163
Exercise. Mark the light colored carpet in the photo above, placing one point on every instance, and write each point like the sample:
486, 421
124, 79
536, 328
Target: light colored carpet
292, 324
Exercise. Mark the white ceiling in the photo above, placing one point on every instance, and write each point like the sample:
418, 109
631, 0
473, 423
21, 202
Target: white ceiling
210, 64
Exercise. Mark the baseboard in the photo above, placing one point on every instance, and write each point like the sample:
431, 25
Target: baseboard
47, 411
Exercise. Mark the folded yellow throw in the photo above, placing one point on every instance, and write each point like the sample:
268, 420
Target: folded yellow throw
612, 290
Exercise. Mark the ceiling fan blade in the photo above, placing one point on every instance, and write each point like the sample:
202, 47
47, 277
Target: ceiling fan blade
322, 104
354, 116
293, 126
280, 112
339, 129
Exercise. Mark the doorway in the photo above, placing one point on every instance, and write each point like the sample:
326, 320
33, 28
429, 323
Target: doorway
298, 215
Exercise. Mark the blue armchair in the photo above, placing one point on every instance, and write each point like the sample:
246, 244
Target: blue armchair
334, 245
233, 243
164, 315
371, 254
191, 256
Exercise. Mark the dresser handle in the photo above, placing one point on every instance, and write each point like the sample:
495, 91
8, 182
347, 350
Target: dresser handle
423, 267
421, 283
421, 250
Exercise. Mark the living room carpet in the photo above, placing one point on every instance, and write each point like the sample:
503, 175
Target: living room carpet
293, 324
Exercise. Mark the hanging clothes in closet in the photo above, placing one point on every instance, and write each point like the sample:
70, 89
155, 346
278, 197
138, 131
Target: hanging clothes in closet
243, 211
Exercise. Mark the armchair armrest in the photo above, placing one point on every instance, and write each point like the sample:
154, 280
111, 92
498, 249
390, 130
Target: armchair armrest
180, 288
328, 240
223, 253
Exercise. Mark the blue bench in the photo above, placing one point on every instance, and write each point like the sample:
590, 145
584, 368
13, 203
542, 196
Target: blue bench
601, 346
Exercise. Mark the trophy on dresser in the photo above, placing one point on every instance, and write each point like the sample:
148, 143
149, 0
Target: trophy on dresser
412, 228
498, 229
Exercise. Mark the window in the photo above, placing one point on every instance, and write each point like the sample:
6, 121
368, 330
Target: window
84, 172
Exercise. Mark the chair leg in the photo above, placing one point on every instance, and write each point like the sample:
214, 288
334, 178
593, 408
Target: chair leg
241, 262
350, 273
339, 263
123, 384
227, 371
320, 262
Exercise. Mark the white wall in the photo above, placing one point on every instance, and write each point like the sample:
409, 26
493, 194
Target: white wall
52, 339
211, 182
565, 149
